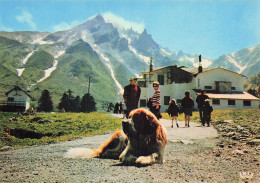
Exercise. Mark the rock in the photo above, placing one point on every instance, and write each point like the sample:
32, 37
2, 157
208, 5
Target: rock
240, 152
254, 142
6, 148
221, 145
230, 134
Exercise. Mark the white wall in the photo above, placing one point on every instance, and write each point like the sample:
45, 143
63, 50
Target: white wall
208, 78
239, 105
20, 96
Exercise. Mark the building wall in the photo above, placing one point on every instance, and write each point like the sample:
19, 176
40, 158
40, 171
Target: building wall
238, 105
173, 91
208, 79
20, 97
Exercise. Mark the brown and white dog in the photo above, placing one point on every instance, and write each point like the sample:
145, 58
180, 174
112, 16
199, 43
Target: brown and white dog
141, 142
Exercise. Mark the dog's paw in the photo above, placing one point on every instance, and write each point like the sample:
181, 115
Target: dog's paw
144, 160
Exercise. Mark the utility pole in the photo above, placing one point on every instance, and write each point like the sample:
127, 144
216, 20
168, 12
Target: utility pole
89, 85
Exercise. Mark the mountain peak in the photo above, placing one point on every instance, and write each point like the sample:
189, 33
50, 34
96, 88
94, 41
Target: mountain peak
99, 18
144, 32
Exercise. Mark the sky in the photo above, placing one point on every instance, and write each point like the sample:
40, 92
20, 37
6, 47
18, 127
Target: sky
207, 27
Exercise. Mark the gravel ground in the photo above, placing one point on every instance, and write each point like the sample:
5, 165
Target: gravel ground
192, 155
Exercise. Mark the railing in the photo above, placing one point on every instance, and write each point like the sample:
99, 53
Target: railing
13, 103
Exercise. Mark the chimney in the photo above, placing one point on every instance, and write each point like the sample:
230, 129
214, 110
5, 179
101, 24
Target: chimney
151, 65
200, 66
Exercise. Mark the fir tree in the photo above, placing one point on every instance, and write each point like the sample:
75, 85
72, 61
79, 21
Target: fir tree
64, 103
88, 103
76, 104
45, 103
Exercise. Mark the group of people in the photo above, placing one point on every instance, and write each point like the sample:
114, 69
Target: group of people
187, 104
132, 94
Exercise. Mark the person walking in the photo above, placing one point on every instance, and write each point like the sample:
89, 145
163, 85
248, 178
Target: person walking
156, 102
187, 104
207, 111
173, 111
131, 95
201, 104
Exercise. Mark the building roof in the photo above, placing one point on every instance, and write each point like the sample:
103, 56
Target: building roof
238, 96
17, 88
195, 70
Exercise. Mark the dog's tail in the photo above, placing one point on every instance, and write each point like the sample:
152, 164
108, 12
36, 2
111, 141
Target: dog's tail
82, 153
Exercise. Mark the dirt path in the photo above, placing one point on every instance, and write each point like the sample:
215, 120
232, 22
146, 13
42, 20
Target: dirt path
191, 155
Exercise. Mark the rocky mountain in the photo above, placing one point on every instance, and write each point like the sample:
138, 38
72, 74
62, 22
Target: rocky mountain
245, 61
98, 50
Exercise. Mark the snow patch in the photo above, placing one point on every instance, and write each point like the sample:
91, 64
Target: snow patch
167, 53
144, 58
40, 41
48, 71
109, 66
24, 61
20, 71
232, 60
27, 57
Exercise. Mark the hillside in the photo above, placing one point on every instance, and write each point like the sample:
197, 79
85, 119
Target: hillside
98, 50
252, 82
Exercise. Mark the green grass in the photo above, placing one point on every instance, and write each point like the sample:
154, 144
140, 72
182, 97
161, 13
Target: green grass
70, 125
75, 125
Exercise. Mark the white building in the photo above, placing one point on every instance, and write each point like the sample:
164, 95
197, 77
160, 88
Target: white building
224, 87
17, 97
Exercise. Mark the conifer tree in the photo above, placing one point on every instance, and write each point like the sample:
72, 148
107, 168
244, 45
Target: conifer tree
64, 103
76, 104
88, 103
45, 102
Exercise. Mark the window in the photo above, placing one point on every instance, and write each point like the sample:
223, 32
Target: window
10, 99
161, 79
142, 84
208, 87
166, 100
231, 102
247, 103
233, 88
142, 103
216, 102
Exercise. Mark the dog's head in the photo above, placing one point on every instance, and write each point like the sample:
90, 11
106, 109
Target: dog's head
144, 125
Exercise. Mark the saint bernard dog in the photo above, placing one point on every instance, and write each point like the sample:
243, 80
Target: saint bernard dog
141, 142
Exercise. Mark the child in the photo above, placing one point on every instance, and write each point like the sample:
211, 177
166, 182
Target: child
173, 111
124, 110
207, 110
150, 103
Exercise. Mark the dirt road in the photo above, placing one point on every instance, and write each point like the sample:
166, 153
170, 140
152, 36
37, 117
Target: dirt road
191, 155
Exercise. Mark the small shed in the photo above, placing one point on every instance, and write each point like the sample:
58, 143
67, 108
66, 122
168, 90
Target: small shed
17, 99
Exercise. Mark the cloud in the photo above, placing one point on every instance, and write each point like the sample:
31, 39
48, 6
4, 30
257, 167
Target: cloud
26, 17
65, 26
122, 23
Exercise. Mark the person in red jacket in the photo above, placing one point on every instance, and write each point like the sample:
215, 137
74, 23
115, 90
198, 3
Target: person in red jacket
131, 95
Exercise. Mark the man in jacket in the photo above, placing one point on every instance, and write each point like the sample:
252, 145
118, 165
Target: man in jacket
131, 95
201, 104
